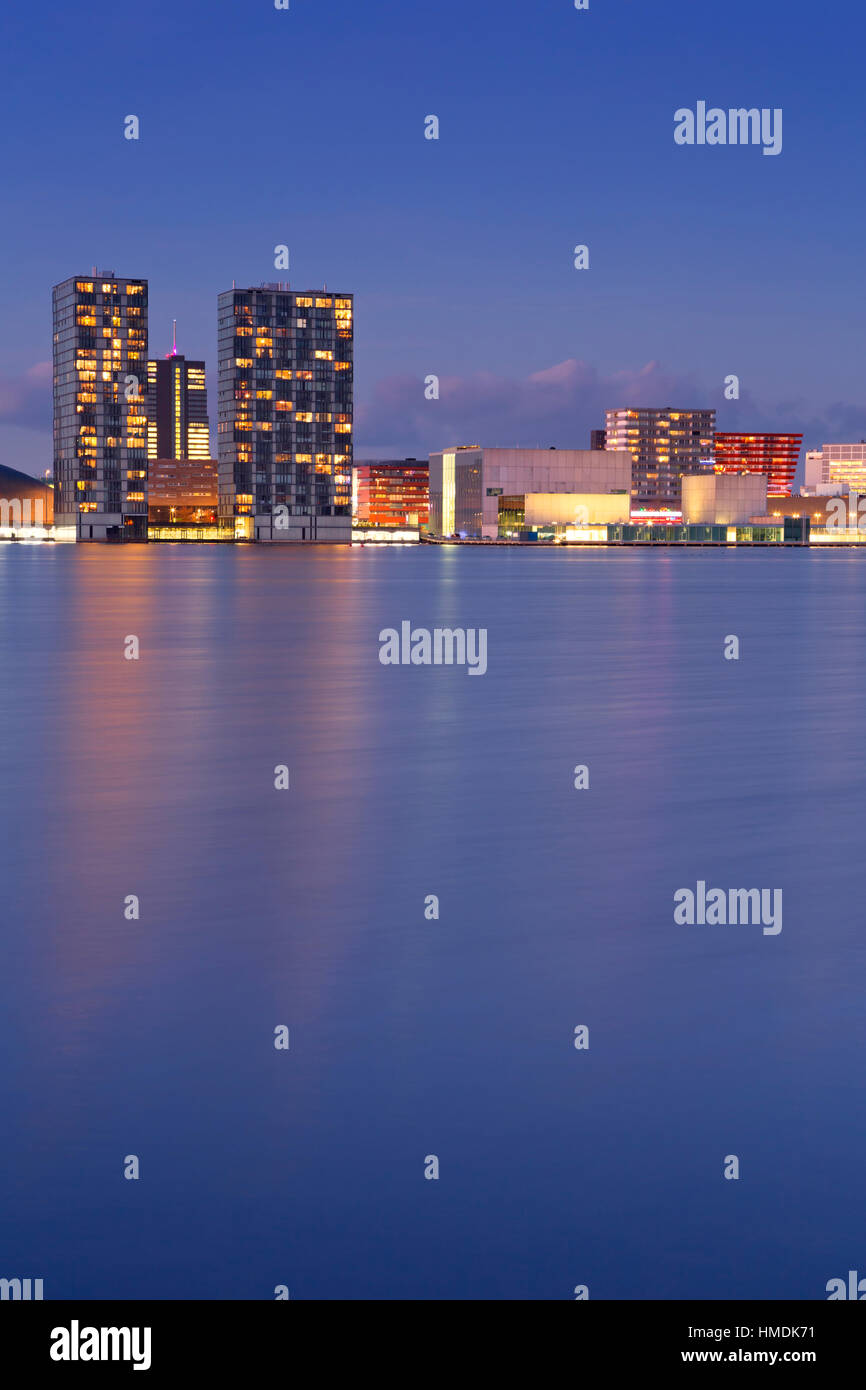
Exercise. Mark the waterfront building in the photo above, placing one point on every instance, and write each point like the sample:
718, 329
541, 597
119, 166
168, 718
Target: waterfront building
285, 413
774, 455
182, 491
560, 512
826, 511
390, 492
26, 504
467, 482
719, 499
664, 444
837, 467
100, 419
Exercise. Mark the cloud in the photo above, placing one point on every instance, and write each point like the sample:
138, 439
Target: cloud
557, 405
560, 405
26, 400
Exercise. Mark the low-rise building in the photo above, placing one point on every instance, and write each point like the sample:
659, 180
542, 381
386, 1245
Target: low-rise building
390, 493
467, 483
182, 490
723, 498
26, 504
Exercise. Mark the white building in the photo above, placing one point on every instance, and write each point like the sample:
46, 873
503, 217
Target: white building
576, 508
467, 482
836, 468
723, 499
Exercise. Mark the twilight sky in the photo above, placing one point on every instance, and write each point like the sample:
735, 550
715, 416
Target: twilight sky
306, 127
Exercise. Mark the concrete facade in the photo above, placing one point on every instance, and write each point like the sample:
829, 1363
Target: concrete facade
723, 499
467, 482
576, 508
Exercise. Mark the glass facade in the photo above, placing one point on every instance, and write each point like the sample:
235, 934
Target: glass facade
177, 420
100, 410
285, 405
694, 534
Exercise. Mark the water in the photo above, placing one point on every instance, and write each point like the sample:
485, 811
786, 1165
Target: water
411, 1037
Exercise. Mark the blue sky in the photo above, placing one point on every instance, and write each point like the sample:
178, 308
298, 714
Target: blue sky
306, 127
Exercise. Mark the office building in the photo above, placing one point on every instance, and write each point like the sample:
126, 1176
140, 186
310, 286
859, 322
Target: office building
177, 420
285, 413
100, 421
390, 492
774, 455
467, 482
182, 492
598, 439
836, 467
664, 444
723, 499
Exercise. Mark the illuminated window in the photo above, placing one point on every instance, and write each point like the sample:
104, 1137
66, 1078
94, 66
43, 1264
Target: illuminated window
448, 494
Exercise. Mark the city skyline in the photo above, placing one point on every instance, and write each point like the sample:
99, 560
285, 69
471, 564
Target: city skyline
286, 366
474, 284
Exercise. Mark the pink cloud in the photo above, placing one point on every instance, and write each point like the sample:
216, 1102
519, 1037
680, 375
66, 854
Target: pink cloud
561, 403
558, 405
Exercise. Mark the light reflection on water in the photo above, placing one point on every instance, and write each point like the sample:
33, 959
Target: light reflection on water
410, 1037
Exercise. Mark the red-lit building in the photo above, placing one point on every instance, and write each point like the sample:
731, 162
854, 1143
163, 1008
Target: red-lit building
773, 454
391, 492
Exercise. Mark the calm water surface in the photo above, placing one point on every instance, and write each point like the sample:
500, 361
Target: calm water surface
410, 1037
